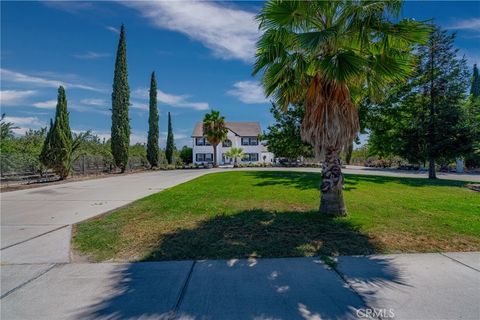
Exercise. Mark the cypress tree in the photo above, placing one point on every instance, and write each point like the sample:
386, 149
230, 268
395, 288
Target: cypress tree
475, 89
45, 154
170, 143
152, 142
57, 149
120, 136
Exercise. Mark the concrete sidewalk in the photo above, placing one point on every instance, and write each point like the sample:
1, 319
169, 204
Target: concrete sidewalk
404, 286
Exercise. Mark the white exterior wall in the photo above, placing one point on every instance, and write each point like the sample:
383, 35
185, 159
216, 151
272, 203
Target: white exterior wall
236, 143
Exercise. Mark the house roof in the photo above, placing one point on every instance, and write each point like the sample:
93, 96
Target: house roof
243, 129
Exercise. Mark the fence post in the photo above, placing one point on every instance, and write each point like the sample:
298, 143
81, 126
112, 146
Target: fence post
83, 158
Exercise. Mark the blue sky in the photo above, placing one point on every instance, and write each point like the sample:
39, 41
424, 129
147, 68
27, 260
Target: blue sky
201, 52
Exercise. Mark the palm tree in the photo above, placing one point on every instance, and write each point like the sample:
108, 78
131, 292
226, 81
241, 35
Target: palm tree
6, 128
215, 131
324, 53
235, 154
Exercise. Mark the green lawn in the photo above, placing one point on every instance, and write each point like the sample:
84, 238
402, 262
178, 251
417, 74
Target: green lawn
273, 214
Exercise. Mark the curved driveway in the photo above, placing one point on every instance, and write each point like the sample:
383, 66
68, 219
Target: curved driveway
36, 223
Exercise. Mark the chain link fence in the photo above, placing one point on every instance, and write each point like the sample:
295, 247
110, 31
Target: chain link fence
18, 168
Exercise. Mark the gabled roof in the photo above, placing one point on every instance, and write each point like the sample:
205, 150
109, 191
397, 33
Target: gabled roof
242, 129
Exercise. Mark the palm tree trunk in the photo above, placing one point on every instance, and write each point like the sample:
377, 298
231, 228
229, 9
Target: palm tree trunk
331, 200
215, 156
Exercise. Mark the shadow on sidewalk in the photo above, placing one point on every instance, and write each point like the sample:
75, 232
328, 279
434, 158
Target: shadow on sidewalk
249, 288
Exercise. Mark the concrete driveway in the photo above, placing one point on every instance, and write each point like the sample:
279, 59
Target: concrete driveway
36, 223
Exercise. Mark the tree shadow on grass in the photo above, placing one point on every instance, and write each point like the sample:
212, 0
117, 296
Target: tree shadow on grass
310, 180
247, 288
266, 234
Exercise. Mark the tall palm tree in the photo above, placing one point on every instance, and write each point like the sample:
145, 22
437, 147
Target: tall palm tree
324, 53
235, 154
215, 131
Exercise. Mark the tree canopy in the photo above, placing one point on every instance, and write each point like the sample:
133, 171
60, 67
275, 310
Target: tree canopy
283, 137
424, 119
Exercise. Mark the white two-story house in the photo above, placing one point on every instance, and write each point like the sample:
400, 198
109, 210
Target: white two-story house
240, 135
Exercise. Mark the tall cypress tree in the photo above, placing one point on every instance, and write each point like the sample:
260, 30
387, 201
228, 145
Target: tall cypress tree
120, 137
170, 142
475, 88
58, 146
46, 154
152, 142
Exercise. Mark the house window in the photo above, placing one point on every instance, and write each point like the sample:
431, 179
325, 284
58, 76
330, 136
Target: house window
227, 143
249, 141
204, 157
201, 142
250, 157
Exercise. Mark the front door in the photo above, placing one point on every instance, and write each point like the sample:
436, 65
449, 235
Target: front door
226, 160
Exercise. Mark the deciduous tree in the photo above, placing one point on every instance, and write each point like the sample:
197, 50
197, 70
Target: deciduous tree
283, 137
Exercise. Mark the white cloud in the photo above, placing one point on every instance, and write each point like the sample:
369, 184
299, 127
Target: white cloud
95, 102
178, 101
139, 105
181, 139
49, 104
14, 97
113, 29
23, 124
91, 55
104, 134
176, 136
17, 77
250, 92
137, 138
230, 33
472, 24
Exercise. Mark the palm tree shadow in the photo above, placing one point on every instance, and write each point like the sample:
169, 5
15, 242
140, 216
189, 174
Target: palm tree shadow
248, 287
265, 234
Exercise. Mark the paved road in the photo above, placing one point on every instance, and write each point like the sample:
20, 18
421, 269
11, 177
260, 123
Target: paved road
406, 286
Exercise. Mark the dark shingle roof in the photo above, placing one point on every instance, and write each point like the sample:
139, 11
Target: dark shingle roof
243, 129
